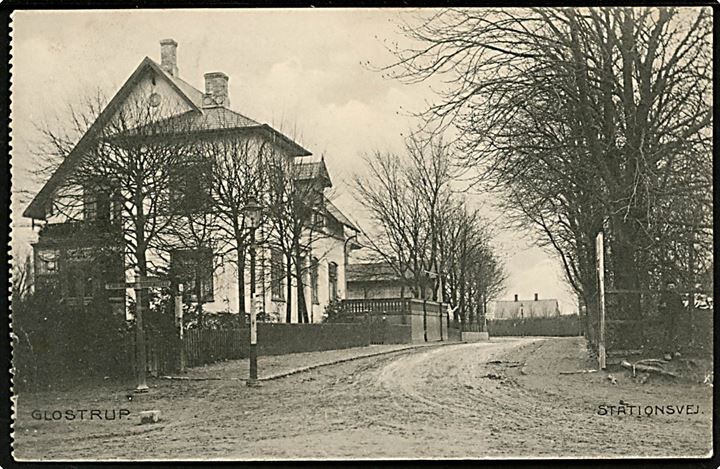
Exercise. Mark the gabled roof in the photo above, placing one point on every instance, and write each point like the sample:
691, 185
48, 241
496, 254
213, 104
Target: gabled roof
38, 206
312, 170
192, 93
339, 216
208, 119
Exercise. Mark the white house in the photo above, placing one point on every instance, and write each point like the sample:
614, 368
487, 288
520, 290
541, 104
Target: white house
80, 246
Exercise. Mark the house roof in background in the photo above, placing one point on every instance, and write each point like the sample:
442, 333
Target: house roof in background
192, 93
511, 309
380, 271
370, 272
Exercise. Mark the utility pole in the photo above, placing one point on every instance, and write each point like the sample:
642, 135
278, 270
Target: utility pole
141, 283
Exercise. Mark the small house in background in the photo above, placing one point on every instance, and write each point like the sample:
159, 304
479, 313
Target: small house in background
535, 308
373, 280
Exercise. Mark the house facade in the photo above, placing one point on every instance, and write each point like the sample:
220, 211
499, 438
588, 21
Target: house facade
517, 309
82, 230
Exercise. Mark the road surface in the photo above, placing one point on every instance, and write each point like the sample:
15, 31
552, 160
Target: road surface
499, 399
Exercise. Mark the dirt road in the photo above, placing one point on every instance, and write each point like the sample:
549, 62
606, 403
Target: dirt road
504, 398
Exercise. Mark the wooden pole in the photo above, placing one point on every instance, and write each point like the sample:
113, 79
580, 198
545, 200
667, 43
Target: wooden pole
140, 335
600, 258
179, 319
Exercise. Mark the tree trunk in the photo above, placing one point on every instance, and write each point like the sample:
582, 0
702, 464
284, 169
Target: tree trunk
141, 247
625, 275
302, 305
461, 301
198, 295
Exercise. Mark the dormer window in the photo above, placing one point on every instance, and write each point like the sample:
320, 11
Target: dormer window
318, 220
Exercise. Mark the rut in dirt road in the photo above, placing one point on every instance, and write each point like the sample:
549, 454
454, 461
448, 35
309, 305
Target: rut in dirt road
503, 398
439, 379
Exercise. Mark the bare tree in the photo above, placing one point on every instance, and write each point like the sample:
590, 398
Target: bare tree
425, 228
122, 174
296, 209
239, 173
474, 273
402, 235
22, 279
586, 119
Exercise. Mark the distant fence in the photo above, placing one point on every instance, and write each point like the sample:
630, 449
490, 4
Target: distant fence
565, 325
474, 327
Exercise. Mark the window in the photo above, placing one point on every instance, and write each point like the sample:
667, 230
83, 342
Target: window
96, 205
79, 280
89, 205
314, 280
332, 280
318, 220
194, 269
277, 274
334, 227
47, 261
191, 187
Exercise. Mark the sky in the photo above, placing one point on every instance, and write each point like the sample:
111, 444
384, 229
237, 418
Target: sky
304, 72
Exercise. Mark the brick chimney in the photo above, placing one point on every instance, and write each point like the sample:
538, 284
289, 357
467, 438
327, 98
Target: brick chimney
536, 296
168, 56
516, 298
216, 90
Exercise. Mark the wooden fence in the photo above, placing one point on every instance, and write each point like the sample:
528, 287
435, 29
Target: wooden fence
209, 346
205, 346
